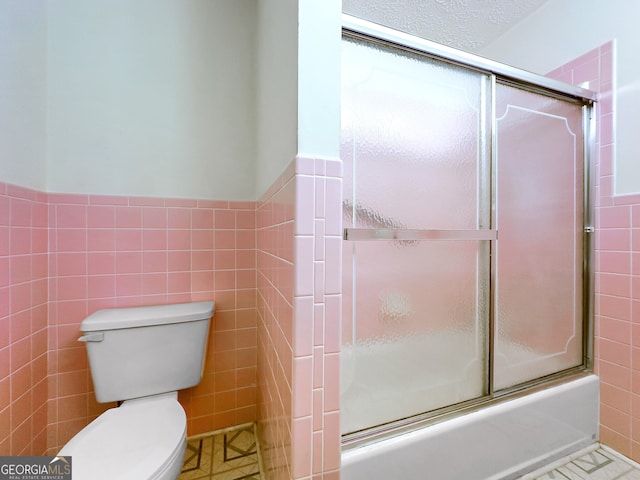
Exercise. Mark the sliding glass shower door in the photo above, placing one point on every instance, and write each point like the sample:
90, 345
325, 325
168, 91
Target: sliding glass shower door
463, 235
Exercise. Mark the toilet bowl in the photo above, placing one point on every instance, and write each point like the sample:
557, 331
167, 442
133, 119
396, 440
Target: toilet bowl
142, 439
141, 356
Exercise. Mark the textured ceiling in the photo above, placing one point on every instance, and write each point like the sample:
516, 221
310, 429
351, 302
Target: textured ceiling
463, 24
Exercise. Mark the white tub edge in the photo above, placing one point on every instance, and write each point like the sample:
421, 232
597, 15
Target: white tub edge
500, 442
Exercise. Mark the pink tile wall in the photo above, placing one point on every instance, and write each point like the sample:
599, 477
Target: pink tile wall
617, 300
65, 256
111, 251
275, 270
23, 321
299, 308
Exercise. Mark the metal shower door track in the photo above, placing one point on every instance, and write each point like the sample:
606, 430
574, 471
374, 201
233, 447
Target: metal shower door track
358, 27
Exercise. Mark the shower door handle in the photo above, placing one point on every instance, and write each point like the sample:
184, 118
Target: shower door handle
360, 234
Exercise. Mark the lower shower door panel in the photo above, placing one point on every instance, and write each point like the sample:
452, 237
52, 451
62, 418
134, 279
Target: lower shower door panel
385, 381
415, 325
500, 442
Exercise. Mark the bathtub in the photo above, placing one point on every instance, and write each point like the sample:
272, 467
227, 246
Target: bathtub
499, 442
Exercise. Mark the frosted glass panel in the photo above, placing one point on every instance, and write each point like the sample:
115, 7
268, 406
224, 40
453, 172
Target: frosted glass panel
418, 337
538, 314
413, 141
415, 312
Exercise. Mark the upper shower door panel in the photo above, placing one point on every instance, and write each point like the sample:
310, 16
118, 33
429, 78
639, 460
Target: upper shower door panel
414, 138
540, 223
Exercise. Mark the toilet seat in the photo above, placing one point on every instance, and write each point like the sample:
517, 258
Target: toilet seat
144, 439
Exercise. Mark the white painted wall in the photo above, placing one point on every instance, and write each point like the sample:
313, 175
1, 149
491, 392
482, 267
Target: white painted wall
181, 98
22, 92
277, 89
562, 30
152, 97
298, 84
320, 33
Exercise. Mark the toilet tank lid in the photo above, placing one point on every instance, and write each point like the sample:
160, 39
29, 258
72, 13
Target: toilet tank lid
117, 318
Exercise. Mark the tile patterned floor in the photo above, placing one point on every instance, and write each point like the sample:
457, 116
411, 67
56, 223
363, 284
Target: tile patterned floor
234, 455
599, 464
227, 455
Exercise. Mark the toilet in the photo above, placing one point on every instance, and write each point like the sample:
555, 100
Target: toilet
141, 357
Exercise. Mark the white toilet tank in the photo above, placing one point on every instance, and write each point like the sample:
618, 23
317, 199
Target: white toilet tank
141, 351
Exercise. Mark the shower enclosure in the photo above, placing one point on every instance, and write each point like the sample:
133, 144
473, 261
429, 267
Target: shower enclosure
466, 253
